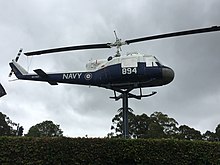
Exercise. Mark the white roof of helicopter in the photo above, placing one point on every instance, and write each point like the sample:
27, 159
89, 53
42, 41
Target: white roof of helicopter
124, 60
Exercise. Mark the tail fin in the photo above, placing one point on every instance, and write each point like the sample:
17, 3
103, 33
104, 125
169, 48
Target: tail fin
17, 69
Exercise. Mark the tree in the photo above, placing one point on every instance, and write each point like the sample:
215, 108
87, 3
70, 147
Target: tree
185, 132
209, 136
158, 125
141, 126
45, 129
6, 126
169, 125
118, 123
155, 130
217, 132
145, 127
20, 131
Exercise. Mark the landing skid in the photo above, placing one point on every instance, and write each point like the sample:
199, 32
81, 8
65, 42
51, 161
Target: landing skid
125, 95
130, 95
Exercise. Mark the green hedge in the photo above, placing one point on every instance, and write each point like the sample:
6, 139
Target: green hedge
34, 151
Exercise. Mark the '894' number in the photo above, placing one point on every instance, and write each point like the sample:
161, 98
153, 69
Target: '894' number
129, 70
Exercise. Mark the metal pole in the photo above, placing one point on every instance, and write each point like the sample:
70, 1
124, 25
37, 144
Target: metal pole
125, 114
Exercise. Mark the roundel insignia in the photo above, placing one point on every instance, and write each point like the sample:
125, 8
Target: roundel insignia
88, 76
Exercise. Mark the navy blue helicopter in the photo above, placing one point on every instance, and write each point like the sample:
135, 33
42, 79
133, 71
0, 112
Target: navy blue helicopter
132, 71
118, 73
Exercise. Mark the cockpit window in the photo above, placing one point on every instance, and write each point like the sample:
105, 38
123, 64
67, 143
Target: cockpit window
152, 61
158, 62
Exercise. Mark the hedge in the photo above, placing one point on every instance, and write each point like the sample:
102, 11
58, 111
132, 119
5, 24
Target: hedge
26, 150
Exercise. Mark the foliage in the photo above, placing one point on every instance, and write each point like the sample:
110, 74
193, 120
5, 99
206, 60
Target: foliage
46, 128
118, 125
26, 150
209, 136
6, 126
217, 132
185, 132
169, 125
158, 125
20, 131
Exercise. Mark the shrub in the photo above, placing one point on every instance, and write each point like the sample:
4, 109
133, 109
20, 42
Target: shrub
27, 150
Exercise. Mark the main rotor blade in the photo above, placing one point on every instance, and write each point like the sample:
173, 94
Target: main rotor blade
69, 48
174, 34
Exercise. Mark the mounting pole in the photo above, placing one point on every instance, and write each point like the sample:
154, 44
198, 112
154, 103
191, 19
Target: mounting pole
125, 95
125, 114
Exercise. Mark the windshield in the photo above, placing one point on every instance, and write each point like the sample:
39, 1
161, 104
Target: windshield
157, 61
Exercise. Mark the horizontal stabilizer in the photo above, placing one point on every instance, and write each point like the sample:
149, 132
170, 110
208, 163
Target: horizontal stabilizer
41, 73
44, 75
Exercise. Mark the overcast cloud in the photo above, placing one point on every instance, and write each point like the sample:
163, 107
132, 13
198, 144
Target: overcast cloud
193, 97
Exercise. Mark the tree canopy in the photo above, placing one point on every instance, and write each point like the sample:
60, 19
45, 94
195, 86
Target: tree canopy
6, 126
159, 125
46, 128
5, 129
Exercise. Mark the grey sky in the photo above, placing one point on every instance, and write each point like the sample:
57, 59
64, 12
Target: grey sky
192, 98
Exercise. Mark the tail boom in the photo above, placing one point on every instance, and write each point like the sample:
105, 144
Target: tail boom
18, 70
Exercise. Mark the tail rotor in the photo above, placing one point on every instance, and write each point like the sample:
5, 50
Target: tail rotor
16, 60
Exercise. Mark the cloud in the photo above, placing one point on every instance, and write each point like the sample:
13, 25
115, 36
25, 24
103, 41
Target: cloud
192, 98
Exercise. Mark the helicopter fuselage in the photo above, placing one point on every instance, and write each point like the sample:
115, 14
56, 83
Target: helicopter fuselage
127, 72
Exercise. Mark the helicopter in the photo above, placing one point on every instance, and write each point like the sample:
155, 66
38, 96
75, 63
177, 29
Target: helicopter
119, 73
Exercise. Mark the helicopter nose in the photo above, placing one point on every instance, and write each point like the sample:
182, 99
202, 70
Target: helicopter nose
168, 75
